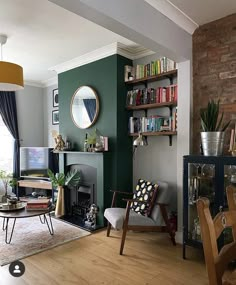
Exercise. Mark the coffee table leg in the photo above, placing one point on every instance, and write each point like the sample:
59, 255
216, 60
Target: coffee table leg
50, 227
8, 240
4, 224
42, 221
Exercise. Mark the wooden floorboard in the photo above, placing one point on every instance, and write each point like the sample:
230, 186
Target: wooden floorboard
149, 258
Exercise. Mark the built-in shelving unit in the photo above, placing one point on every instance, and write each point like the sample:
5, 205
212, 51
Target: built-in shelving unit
152, 106
145, 80
163, 133
145, 107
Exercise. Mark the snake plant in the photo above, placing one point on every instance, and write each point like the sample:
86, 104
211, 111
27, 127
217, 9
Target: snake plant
209, 118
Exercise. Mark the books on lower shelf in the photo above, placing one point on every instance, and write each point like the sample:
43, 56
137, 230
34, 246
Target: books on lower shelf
38, 204
154, 123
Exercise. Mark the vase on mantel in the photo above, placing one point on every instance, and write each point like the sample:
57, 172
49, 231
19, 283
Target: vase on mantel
60, 205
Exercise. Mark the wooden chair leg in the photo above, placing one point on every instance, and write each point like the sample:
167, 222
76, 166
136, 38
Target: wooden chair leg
108, 229
165, 217
123, 240
125, 227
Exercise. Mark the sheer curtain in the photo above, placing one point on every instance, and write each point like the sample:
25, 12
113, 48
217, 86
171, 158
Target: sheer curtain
8, 112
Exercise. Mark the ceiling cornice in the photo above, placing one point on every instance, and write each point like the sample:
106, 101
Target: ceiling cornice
174, 14
114, 48
50, 82
33, 83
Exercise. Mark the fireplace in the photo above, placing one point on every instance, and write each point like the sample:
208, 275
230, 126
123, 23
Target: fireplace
94, 185
85, 197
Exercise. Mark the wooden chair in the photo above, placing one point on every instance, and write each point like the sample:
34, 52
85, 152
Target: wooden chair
127, 219
217, 262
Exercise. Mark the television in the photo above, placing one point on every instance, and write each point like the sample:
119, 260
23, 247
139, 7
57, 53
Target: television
35, 161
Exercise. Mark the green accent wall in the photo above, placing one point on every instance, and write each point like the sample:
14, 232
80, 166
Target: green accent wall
106, 77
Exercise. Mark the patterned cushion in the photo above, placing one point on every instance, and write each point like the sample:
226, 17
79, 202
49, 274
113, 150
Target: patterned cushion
145, 191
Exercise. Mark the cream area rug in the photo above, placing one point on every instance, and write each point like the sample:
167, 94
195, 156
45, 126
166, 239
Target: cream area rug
31, 237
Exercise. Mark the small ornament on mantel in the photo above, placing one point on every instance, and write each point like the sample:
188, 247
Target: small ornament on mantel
232, 145
60, 144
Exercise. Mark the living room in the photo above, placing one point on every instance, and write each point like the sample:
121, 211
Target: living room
206, 70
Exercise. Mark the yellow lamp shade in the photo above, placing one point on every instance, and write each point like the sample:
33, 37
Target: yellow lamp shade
11, 76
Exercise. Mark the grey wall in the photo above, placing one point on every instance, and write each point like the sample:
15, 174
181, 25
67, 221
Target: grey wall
30, 112
157, 161
48, 108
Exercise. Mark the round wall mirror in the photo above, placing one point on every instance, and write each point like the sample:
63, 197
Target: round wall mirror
84, 107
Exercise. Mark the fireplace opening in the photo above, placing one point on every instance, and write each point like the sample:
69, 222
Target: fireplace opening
84, 199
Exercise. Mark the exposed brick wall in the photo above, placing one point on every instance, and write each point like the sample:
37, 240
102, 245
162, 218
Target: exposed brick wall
214, 71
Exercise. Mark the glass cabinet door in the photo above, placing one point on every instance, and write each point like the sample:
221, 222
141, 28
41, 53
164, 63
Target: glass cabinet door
201, 183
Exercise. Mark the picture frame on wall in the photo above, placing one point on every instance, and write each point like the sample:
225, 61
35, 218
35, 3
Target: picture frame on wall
55, 117
55, 97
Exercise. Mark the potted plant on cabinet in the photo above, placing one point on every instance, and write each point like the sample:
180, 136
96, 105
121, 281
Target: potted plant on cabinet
59, 180
212, 135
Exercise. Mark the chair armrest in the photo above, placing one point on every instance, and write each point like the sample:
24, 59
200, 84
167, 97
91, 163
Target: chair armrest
162, 204
122, 192
115, 192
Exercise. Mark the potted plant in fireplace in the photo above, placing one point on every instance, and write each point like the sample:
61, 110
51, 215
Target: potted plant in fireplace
213, 132
59, 180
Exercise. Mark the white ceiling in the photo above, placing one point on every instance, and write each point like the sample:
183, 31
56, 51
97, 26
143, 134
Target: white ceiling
205, 11
42, 35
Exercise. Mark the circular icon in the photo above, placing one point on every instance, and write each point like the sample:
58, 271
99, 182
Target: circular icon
17, 268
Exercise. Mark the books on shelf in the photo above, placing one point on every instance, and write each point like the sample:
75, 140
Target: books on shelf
38, 204
145, 96
155, 67
154, 123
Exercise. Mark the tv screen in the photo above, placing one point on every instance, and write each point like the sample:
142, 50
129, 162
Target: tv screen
34, 162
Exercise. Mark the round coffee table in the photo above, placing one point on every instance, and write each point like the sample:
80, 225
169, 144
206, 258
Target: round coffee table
24, 213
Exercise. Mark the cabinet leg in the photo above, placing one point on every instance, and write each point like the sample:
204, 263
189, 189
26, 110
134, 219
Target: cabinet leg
184, 251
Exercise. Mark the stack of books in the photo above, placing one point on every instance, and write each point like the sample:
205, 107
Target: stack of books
38, 204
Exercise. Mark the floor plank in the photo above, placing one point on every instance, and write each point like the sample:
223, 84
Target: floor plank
149, 258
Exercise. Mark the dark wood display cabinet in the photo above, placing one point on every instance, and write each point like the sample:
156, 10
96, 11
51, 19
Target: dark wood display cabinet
205, 176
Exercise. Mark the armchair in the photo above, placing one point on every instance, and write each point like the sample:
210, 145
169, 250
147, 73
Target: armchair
127, 219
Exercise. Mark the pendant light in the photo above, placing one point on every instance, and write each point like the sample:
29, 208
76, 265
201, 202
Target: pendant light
11, 74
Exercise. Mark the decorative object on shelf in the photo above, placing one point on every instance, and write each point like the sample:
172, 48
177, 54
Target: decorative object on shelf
212, 134
86, 143
55, 96
7, 180
84, 107
60, 144
68, 145
91, 216
55, 117
232, 145
11, 74
59, 180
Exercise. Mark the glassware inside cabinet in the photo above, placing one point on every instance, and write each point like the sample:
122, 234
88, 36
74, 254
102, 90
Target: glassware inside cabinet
201, 183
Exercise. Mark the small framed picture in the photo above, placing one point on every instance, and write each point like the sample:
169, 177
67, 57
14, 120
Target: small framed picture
55, 98
55, 117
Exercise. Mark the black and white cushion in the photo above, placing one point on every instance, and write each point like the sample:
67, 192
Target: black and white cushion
145, 192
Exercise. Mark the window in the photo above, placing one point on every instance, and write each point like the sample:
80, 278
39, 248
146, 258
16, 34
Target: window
6, 148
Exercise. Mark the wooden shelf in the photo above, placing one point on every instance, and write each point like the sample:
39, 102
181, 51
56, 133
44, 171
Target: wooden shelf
145, 80
39, 184
164, 133
152, 106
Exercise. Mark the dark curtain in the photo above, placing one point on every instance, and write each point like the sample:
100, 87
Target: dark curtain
90, 105
9, 115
